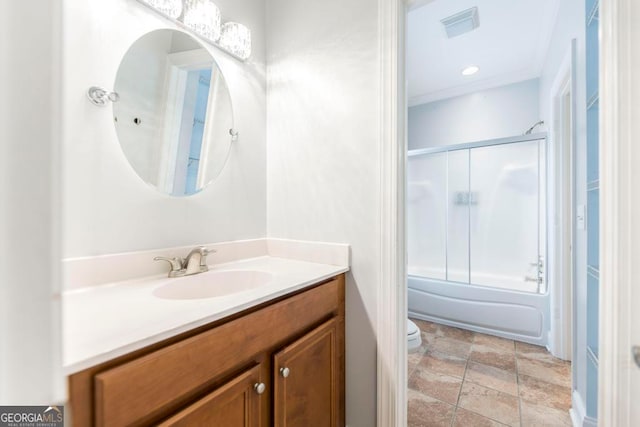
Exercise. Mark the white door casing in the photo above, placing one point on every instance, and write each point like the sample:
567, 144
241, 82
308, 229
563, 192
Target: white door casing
392, 288
561, 210
619, 378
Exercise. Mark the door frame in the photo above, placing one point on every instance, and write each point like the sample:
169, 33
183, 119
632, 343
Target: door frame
619, 130
391, 324
562, 208
617, 179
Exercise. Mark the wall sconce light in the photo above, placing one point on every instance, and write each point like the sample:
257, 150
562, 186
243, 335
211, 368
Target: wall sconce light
203, 18
236, 38
170, 8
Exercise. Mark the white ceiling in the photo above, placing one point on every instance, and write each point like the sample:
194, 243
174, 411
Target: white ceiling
509, 46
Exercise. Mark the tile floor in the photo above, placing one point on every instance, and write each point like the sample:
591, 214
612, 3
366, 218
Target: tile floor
466, 379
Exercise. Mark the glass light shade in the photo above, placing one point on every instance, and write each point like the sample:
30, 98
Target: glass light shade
203, 17
236, 38
171, 8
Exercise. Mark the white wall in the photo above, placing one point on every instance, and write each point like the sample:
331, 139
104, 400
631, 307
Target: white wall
107, 207
323, 156
571, 25
493, 113
30, 346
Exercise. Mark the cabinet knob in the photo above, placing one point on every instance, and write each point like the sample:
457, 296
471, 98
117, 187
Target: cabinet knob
259, 388
285, 372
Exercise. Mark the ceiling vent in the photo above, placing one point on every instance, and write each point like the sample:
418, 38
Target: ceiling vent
462, 22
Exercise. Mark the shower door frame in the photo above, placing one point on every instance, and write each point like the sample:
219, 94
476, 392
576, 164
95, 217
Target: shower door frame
477, 144
465, 304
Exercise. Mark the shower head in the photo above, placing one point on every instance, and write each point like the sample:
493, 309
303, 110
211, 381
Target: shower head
541, 122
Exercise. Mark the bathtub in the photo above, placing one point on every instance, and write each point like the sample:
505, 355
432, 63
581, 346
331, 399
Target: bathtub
498, 310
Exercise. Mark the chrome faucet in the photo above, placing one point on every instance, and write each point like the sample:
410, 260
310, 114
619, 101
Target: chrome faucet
194, 263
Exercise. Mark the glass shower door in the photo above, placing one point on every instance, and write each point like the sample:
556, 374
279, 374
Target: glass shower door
476, 215
427, 216
459, 203
505, 239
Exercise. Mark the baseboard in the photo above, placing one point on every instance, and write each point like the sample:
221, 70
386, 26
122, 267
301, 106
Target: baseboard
590, 422
578, 412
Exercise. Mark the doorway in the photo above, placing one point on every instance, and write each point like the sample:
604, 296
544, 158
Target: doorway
564, 216
470, 275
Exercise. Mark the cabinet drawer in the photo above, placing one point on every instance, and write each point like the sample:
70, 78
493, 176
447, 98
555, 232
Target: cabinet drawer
235, 404
152, 386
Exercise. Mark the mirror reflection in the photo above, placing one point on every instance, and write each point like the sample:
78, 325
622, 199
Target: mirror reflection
174, 115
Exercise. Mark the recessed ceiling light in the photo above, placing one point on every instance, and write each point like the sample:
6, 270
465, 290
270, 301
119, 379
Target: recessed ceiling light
470, 70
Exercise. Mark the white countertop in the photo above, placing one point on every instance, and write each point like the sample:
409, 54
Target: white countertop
107, 321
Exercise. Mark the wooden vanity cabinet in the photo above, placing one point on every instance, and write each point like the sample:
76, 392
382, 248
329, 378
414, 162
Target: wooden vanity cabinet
278, 364
235, 404
306, 380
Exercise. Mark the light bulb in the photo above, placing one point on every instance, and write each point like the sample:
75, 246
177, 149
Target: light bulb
236, 38
470, 70
203, 17
171, 8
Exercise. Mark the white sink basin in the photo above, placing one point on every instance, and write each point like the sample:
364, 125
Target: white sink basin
212, 284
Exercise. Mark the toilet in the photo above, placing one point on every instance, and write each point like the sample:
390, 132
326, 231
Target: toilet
414, 339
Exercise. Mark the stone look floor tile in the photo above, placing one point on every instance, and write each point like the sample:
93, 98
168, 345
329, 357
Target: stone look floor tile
433, 384
530, 351
451, 346
543, 393
413, 358
495, 342
424, 326
464, 418
455, 333
444, 363
498, 358
526, 348
556, 372
538, 416
489, 376
427, 338
501, 378
424, 411
490, 403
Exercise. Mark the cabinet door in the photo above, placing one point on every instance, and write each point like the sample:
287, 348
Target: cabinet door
306, 380
235, 404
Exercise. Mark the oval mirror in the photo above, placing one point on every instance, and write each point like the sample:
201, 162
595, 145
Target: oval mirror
174, 117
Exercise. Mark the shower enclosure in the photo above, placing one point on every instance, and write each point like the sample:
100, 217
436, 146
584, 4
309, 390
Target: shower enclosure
477, 236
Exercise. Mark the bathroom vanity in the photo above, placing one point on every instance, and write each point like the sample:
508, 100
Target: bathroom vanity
252, 337
278, 363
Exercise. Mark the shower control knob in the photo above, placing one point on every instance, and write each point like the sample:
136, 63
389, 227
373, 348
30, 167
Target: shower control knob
285, 372
259, 387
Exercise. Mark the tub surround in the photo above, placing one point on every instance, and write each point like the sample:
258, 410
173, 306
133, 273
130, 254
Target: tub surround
110, 310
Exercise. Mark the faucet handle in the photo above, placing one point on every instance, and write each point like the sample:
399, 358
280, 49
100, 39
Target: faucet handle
176, 262
205, 252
